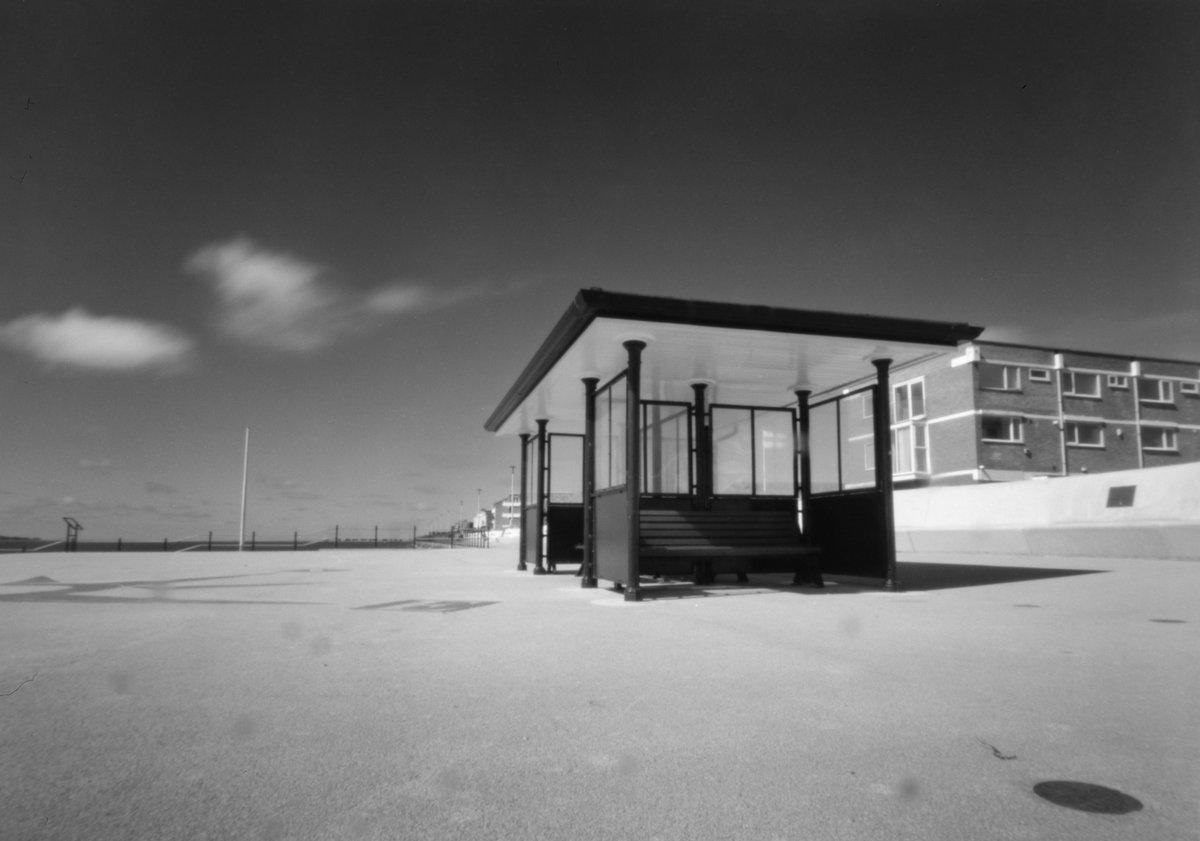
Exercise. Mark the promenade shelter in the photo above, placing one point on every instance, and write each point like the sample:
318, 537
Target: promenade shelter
666, 437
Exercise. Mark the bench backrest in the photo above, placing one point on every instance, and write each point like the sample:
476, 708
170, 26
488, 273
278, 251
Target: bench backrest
718, 528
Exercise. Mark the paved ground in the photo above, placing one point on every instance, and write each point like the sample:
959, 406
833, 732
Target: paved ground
443, 695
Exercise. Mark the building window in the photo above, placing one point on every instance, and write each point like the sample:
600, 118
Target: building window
1084, 434
1189, 388
1161, 438
1118, 381
1039, 375
868, 405
1079, 384
910, 450
999, 377
1003, 430
1155, 391
908, 401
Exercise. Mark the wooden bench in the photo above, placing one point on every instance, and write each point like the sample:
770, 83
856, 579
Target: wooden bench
704, 544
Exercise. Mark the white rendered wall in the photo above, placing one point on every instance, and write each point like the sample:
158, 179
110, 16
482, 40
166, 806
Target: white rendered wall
1065, 516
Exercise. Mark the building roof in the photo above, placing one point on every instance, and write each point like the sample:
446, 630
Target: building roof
752, 355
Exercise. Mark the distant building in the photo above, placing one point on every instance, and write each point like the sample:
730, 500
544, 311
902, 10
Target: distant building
506, 514
483, 519
993, 411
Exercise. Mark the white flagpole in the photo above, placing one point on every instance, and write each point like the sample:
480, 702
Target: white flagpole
245, 465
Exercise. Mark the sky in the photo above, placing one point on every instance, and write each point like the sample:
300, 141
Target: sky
347, 226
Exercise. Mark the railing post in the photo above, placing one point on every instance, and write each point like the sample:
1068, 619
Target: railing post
210, 541
253, 539
118, 544
295, 540
414, 537
164, 544
633, 467
521, 565
335, 536
377, 537
588, 569
703, 460
804, 423
883, 465
539, 520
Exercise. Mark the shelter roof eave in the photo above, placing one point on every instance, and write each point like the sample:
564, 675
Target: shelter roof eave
590, 304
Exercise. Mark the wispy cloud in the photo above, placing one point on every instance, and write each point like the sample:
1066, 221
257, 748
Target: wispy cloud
280, 301
101, 465
78, 339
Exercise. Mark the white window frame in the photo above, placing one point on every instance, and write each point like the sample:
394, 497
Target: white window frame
1189, 387
1039, 375
1011, 383
907, 388
910, 452
1170, 439
1071, 429
1016, 425
1070, 385
1118, 381
1163, 386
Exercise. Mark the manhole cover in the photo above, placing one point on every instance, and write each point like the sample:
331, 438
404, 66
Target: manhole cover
1087, 797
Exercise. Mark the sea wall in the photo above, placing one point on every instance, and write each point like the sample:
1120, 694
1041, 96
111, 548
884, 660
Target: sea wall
1151, 513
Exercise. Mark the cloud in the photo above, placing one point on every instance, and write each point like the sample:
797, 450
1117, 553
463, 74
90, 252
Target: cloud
282, 302
77, 339
100, 465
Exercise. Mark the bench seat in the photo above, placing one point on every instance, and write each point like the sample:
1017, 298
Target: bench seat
704, 544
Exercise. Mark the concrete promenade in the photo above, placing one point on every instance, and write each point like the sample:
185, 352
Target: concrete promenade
444, 695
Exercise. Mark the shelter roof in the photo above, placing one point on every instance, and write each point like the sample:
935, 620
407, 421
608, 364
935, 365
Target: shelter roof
751, 355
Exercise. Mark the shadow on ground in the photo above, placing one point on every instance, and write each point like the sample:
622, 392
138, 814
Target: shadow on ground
915, 575
912, 575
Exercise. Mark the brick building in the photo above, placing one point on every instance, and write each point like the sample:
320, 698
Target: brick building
992, 411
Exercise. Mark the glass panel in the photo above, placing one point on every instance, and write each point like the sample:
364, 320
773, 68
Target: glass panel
566, 468
900, 409
997, 376
902, 450
917, 390
775, 453
823, 448
858, 462
610, 436
920, 450
666, 454
531, 469
732, 451
616, 437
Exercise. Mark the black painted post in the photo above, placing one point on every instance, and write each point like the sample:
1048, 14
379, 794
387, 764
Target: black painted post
803, 428
521, 565
118, 544
210, 541
414, 537
883, 465
539, 534
588, 570
336, 529
633, 466
703, 450
164, 544
377, 537
253, 538
295, 540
